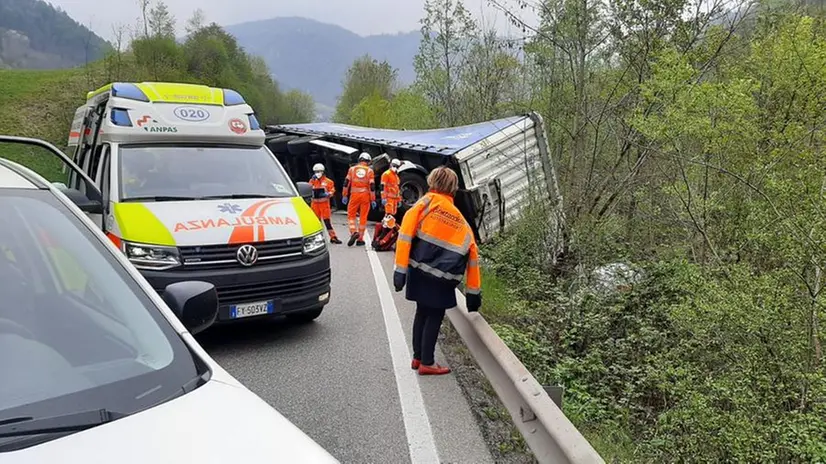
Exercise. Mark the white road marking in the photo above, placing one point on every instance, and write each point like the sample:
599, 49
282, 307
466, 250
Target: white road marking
420, 441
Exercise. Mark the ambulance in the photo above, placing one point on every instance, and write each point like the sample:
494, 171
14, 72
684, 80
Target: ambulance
190, 192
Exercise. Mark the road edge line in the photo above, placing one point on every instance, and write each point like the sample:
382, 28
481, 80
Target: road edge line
420, 441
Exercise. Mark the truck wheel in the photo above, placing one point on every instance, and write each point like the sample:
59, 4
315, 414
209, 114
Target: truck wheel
413, 186
305, 316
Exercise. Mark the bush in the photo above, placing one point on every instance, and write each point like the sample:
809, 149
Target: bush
694, 364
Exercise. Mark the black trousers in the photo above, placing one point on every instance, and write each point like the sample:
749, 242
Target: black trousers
426, 326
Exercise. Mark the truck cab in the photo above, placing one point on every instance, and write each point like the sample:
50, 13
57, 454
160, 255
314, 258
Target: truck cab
190, 192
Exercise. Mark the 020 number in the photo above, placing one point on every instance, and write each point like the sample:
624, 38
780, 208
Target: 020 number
188, 113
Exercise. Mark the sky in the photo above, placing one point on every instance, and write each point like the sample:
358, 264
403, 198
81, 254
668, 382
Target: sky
364, 17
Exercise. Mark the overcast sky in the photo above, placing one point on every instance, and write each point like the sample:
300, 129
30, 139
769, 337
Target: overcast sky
364, 17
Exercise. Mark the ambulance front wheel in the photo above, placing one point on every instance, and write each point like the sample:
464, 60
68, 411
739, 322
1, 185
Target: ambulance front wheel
306, 316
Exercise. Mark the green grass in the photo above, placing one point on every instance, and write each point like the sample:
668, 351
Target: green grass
495, 296
39, 104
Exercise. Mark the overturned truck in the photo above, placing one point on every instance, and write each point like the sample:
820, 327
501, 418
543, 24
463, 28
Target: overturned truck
502, 164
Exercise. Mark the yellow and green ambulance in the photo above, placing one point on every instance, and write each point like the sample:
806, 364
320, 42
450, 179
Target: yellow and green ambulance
190, 192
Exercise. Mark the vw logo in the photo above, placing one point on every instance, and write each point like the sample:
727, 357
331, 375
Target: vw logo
247, 255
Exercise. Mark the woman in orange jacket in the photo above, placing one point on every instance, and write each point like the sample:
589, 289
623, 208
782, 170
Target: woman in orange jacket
434, 251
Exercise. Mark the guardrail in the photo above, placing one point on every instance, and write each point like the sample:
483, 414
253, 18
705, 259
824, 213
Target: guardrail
549, 434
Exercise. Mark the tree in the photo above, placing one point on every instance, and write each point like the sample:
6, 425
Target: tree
196, 22
365, 77
489, 72
447, 32
300, 107
161, 21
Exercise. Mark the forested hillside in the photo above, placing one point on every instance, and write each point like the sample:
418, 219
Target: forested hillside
42, 103
35, 35
684, 317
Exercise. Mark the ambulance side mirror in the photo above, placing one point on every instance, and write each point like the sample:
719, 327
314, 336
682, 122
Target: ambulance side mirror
305, 190
86, 204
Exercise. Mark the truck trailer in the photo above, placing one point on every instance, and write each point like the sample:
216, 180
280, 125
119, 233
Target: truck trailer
502, 164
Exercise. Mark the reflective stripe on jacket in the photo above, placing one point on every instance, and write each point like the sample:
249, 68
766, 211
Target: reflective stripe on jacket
360, 180
390, 185
436, 242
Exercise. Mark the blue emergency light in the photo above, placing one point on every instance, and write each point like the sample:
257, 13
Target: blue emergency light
120, 117
232, 98
128, 90
254, 122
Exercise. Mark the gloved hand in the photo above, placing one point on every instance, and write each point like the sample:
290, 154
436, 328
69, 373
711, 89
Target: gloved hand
384, 202
474, 302
399, 280
344, 200
325, 194
373, 204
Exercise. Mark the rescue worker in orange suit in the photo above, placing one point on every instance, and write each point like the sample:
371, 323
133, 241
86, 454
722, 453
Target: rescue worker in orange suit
361, 183
323, 190
390, 192
435, 250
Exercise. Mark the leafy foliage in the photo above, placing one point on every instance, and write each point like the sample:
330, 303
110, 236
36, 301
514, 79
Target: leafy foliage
366, 78
690, 140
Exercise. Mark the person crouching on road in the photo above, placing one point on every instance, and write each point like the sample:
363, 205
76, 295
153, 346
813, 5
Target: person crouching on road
323, 190
386, 234
360, 181
390, 191
434, 251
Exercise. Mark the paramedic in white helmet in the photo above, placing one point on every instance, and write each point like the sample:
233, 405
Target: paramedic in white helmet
361, 183
390, 190
323, 189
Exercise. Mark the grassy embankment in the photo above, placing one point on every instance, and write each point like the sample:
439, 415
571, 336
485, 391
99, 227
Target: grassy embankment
39, 104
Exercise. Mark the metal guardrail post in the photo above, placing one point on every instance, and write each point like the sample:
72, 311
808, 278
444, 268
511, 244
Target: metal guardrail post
546, 430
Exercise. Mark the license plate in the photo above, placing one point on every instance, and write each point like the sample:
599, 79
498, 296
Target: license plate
250, 309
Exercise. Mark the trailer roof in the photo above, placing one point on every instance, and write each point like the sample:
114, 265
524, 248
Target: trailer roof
445, 142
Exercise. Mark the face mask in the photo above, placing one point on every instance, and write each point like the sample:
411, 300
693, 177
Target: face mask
318, 175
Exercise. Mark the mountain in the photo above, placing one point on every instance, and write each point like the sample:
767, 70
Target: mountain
313, 57
36, 35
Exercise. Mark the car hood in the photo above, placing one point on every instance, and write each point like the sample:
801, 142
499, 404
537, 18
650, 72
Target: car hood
212, 222
216, 423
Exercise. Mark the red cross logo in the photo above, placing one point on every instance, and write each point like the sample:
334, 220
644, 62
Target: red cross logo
238, 126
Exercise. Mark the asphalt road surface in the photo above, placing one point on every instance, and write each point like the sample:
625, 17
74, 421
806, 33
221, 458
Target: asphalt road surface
345, 379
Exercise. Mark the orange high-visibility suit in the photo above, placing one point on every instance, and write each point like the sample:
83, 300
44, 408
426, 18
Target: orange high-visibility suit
360, 189
390, 192
323, 189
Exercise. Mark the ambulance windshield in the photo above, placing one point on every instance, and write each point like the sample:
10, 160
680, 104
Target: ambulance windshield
167, 173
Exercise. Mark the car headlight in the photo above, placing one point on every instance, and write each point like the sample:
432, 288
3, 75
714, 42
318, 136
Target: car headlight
152, 257
314, 243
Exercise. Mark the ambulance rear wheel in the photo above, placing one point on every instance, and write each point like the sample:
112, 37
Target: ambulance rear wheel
305, 316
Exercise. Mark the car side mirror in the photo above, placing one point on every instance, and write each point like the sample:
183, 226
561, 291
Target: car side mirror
194, 302
305, 190
82, 201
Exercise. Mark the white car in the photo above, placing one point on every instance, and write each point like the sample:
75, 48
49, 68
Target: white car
95, 366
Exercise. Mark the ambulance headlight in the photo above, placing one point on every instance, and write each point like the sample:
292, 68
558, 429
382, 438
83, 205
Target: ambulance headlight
314, 243
153, 257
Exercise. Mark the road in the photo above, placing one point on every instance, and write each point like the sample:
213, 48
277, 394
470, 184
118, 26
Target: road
345, 379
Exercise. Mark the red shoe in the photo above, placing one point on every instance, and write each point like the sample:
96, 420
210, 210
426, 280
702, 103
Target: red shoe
433, 370
415, 364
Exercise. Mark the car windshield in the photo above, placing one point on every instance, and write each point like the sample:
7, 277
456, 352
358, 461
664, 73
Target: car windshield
197, 172
77, 332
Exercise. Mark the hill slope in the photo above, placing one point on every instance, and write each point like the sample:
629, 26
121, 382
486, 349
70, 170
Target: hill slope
313, 56
35, 35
